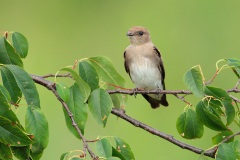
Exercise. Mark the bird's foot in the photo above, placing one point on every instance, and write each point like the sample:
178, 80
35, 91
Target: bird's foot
159, 90
134, 91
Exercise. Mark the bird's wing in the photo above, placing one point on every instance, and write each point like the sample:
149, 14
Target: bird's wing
125, 63
161, 67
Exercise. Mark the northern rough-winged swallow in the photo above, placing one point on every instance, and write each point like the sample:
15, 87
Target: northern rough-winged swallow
143, 63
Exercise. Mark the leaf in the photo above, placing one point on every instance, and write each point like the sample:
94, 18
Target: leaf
221, 136
7, 112
5, 152
79, 110
37, 125
89, 74
113, 158
63, 91
100, 105
235, 65
225, 152
116, 153
8, 54
25, 83
104, 148
21, 153
236, 147
20, 43
230, 112
218, 93
206, 116
36, 156
181, 123
83, 86
11, 134
107, 74
188, 125
194, 82
233, 62
11, 85
106, 71
5, 96
124, 149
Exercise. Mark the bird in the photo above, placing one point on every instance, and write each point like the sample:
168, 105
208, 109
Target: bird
144, 64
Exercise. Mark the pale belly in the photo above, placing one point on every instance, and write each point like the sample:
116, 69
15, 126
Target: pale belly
145, 74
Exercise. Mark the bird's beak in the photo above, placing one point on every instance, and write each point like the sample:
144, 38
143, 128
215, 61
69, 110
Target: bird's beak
129, 34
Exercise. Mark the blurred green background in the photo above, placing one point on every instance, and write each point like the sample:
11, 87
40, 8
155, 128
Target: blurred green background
186, 32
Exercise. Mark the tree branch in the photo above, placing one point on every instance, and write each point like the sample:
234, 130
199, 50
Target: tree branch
121, 114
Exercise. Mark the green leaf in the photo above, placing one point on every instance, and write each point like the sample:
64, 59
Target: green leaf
194, 82
221, 136
235, 65
5, 96
25, 83
36, 156
79, 110
218, 93
107, 74
236, 147
83, 86
7, 112
63, 91
20, 43
104, 148
100, 105
89, 74
8, 54
225, 152
11, 134
21, 153
11, 85
5, 152
124, 149
230, 112
181, 123
116, 153
207, 117
188, 125
37, 125
106, 71
113, 158
233, 62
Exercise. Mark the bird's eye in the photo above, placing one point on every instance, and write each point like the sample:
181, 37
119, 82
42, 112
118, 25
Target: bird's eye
140, 33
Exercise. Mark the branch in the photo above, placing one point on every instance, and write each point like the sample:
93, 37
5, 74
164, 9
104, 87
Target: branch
132, 92
121, 114
49, 85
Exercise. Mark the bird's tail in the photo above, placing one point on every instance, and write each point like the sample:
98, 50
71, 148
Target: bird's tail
155, 103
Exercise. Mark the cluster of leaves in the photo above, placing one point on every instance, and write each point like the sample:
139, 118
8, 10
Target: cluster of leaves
27, 141
215, 111
105, 150
89, 92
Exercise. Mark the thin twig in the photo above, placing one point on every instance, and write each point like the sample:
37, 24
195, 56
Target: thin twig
59, 75
182, 99
235, 99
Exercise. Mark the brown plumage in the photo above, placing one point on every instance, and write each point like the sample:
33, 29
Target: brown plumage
144, 65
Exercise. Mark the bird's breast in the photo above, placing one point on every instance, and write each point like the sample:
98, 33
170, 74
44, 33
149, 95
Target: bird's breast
145, 73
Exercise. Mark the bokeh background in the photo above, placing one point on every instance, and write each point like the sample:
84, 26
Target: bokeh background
186, 32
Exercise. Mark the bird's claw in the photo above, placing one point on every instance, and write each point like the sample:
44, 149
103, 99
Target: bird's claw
134, 91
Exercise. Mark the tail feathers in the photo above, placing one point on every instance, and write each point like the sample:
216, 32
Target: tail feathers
156, 103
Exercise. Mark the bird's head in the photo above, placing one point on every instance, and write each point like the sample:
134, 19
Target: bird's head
138, 35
